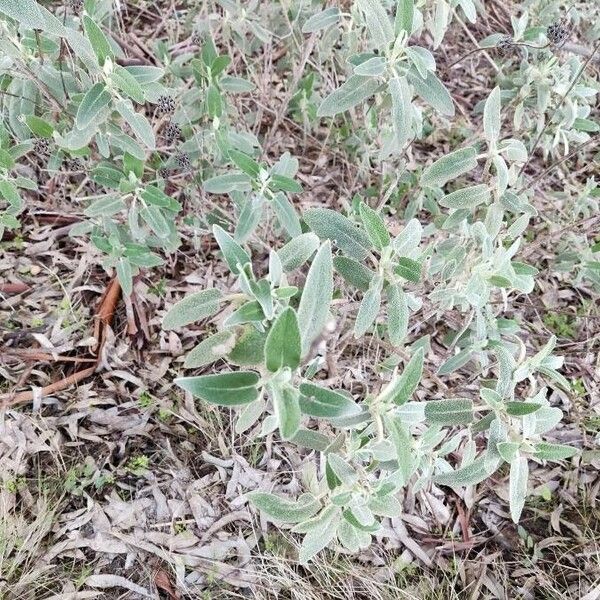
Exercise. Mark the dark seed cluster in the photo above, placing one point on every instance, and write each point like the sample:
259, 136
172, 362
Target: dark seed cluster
172, 132
41, 147
506, 46
166, 105
164, 172
196, 38
558, 33
74, 164
183, 160
76, 6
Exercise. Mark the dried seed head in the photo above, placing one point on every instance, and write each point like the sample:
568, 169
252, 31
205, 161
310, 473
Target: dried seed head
76, 6
41, 147
166, 105
196, 38
74, 164
164, 173
558, 33
506, 46
172, 132
183, 160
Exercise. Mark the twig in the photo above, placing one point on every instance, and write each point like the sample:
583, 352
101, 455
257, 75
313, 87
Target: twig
104, 316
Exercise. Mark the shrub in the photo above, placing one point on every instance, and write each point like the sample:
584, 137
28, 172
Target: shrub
460, 248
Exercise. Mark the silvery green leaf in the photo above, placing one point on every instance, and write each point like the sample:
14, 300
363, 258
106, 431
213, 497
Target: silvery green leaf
286, 215
401, 388
297, 251
369, 307
545, 451
233, 253
491, 116
224, 389
353, 272
454, 411
385, 506
373, 67
408, 269
94, 101
235, 85
210, 349
518, 227
404, 16
468, 7
403, 442
287, 409
309, 438
506, 366
411, 413
249, 415
343, 471
329, 224
250, 216
547, 418
397, 314
408, 240
154, 218
313, 309
283, 345
449, 167
145, 75
421, 58
230, 182
138, 123
519, 472
432, 91
97, 39
470, 474
491, 397
192, 308
401, 109
125, 276
467, 197
319, 536
556, 377
351, 537
323, 403
284, 510
378, 22
105, 206
514, 150
519, 408
508, 450
355, 90
321, 20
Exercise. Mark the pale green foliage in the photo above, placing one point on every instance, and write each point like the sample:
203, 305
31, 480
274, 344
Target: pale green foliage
464, 225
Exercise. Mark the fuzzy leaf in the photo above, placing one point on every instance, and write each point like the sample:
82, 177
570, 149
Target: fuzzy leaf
283, 345
283, 510
467, 197
313, 309
454, 411
355, 90
192, 308
449, 166
329, 224
321, 402
223, 389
